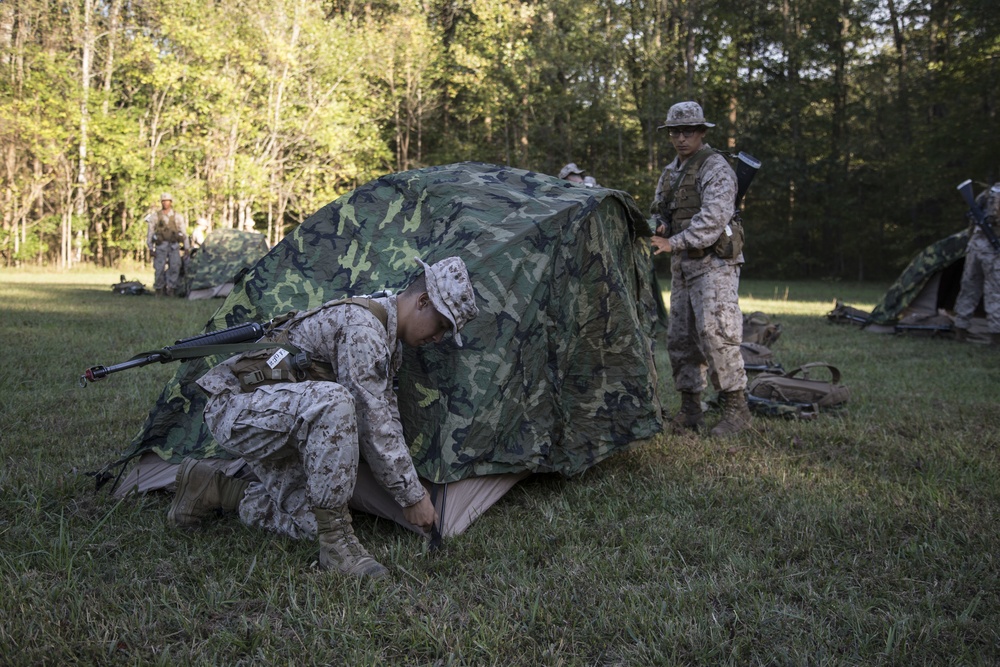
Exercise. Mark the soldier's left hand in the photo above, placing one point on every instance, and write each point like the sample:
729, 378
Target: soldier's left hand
422, 514
660, 244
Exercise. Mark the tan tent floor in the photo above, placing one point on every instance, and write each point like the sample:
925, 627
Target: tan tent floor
458, 503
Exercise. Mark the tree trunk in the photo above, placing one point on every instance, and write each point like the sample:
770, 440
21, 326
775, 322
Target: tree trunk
86, 60
109, 61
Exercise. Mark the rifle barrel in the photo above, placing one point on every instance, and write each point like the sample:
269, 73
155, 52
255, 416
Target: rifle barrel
236, 334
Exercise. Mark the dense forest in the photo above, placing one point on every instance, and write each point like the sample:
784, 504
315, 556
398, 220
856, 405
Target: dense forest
254, 113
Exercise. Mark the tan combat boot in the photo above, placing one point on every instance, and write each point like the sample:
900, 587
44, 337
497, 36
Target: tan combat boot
339, 549
735, 414
201, 489
690, 417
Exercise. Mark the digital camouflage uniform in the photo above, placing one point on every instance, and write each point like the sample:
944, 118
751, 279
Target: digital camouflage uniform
706, 325
981, 275
165, 235
303, 439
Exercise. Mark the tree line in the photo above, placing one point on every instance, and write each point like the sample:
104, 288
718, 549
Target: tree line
255, 113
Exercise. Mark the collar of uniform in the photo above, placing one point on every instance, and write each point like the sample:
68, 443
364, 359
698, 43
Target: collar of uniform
677, 164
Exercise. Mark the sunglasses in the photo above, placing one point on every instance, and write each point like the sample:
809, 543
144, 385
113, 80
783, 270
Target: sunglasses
688, 132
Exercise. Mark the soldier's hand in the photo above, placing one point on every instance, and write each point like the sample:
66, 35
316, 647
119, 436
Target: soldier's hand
422, 514
660, 244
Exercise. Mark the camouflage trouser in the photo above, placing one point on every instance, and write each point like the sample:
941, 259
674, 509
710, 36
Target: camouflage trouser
167, 265
980, 280
301, 440
705, 330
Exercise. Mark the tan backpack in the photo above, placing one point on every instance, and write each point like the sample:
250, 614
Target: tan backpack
796, 393
757, 357
758, 328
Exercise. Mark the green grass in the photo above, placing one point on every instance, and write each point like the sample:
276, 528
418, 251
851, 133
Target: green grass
861, 538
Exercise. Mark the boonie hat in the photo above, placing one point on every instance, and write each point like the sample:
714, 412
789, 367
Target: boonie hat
571, 168
685, 113
451, 292
166, 196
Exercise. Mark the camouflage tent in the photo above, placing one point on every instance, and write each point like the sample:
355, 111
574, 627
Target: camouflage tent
925, 291
556, 373
213, 267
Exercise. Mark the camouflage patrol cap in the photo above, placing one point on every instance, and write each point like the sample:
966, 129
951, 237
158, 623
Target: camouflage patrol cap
451, 292
571, 168
166, 197
685, 114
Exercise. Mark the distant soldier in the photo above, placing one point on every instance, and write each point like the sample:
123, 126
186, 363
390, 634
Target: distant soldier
165, 235
572, 173
199, 233
981, 275
302, 431
693, 206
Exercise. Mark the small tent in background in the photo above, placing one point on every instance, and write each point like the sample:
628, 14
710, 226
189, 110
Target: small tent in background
555, 375
213, 267
923, 297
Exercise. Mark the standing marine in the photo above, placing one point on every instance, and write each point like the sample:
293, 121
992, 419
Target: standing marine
166, 233
692, 214
981, 273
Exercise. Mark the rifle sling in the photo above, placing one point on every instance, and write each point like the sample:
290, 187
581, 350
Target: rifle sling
198, 351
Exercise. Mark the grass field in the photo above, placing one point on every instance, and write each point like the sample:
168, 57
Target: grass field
863, 538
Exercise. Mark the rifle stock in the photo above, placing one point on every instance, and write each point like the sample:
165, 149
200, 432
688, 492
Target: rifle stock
746, 168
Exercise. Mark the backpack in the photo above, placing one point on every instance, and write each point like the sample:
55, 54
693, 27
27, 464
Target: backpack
757, 357
794, 395
133, 287
844, 314
758, 328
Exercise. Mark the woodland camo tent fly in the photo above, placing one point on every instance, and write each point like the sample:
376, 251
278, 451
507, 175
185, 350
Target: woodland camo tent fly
556, 373
923, 296
215, 266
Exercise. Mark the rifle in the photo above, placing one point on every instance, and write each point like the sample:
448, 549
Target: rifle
764, 368
857, 319
202, 345
943, 328
978, 216
746, 168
